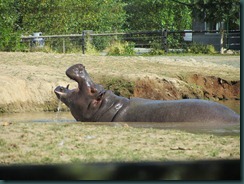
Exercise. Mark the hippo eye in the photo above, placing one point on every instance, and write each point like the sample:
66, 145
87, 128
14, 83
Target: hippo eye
93, 90
62, 88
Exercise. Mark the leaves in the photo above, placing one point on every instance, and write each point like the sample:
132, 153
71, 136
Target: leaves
217, 10
69, 17
156, 14
60, 17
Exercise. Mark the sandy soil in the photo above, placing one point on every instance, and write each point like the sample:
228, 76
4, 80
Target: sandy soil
27, 80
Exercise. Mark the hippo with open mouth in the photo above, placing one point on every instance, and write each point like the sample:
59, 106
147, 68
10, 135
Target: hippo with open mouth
90, 102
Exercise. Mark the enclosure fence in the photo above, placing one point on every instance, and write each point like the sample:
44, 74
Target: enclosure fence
168, 41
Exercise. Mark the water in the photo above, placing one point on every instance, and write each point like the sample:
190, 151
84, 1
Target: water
58, 109
38, 117
66, 117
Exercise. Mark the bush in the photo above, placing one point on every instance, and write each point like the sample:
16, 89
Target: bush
210, 49
121, 48
197, 48
91, 49
10, 41
156, 49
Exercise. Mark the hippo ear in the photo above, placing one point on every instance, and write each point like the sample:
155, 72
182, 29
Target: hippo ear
67, 87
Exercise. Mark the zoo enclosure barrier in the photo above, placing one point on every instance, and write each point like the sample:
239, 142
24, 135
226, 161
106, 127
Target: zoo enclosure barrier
166, 40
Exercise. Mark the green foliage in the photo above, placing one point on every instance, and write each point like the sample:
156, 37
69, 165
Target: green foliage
197, 48
72, 17
156, 49
61, 17
100, 42
156, 52
56, 17
217, 10
121, 48
9, 29
91, 49
157, 14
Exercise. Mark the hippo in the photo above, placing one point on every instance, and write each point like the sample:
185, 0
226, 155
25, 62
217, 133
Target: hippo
90, 102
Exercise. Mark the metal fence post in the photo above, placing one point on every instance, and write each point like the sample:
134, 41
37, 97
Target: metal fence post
164, 40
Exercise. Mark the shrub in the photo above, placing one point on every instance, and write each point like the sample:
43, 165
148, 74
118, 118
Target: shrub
121, 48
210, 49
198, 48
10, 41
156, 49
91, 49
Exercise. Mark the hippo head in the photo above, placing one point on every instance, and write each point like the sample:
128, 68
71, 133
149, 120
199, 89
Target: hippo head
85, 100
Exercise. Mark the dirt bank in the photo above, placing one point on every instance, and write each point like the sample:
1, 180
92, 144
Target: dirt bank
27, 80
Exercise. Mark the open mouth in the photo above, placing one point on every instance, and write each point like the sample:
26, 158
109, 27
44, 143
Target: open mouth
61, 91
86, 86
76, 72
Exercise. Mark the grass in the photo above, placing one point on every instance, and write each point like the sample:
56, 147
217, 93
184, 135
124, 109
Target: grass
63, 142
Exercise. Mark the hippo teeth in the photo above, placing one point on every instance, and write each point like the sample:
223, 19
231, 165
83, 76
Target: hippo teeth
59, 92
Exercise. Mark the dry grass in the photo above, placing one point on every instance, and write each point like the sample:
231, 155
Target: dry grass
30, 78
72, 142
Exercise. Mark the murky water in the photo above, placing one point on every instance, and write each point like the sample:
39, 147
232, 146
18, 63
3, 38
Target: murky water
66, 117
233, 104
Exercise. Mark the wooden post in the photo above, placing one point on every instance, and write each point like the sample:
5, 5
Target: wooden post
83, 42
221, 38
30, 45
221, 41
164, 40
63, 45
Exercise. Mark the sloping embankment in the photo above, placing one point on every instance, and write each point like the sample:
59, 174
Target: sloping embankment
27, 80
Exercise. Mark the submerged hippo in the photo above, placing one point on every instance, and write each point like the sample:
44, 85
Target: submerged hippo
90, 102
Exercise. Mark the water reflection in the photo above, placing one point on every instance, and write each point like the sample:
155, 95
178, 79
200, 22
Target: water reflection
66, 117
192, 127
38, 117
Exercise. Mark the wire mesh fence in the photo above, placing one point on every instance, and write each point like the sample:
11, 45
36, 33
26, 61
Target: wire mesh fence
156, 42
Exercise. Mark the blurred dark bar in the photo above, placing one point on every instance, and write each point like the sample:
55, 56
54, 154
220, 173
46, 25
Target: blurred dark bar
171, 170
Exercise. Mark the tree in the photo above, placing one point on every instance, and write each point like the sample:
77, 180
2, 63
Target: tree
218, 10
63, 17
57, 17
9, 29
157, 14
